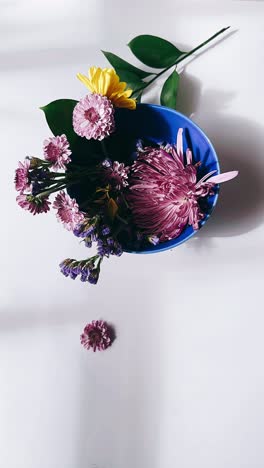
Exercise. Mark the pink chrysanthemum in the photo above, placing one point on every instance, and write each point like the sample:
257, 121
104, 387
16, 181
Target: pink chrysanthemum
116, 173
164, 192
33, 204
96, 335
68, 211
22, 182
57, 151
93, 117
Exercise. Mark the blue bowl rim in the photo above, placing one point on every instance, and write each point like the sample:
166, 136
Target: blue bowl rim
164, 245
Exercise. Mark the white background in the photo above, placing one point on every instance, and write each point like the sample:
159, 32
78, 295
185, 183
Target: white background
182, 385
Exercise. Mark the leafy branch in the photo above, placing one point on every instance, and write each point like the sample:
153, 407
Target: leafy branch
154, 52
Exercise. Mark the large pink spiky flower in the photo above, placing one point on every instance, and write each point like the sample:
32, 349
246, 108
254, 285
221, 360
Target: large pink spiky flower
33, 204
22, 181
57, 151
96, 335
68, 211
93, 117
164, 192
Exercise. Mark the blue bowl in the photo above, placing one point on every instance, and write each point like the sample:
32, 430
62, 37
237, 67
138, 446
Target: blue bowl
160, 124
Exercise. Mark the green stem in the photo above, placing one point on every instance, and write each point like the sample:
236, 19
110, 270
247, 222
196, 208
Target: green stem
104, 148
65, 183
203, 44
49, 192
98, 266
124, 200
121, 219
182, 57
57, 175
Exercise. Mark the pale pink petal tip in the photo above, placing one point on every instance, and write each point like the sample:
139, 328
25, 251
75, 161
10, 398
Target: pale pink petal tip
188, 156
179, 144
218, 179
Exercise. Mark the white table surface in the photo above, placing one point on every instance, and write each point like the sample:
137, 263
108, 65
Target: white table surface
182, 386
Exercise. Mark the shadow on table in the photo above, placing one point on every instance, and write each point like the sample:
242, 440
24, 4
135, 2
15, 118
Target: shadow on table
239, 144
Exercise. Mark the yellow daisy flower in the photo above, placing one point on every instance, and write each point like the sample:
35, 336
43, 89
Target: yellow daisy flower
107, 83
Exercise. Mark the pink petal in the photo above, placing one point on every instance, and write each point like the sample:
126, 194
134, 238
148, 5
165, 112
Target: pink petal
205, 177
218, 179
188, 156
179, 143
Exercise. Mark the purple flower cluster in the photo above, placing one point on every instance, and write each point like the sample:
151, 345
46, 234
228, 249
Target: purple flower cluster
93, 230
87, 229
87, 270
107, 246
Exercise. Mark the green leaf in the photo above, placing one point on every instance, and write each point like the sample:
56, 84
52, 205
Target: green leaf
112, 208
119, 64
59, 118
154, 51
132, 80
169, 90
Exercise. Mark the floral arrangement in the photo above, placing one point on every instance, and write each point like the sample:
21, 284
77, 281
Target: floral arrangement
117, 204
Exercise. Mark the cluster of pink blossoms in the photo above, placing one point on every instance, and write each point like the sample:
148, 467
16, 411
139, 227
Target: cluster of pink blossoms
24, 185
32, 178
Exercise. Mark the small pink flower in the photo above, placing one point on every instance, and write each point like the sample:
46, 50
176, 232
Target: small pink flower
96, 335
68, 211
57, 151
22, 181
93, 117
164, 192
116, 173
33, 204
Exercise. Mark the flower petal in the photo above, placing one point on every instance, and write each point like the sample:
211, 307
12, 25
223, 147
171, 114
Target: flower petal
179, 143
219, 178
107, 83
85, 81
188, 156
203, 179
